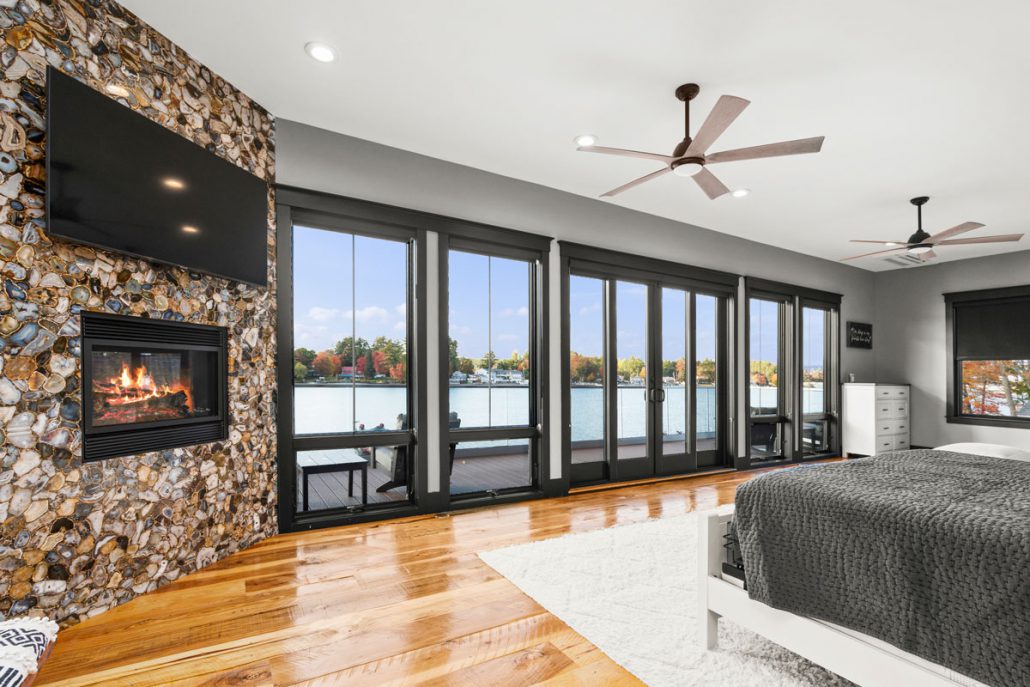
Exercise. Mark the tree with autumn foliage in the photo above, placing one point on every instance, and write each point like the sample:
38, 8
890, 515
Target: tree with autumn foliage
326, 364
584, 369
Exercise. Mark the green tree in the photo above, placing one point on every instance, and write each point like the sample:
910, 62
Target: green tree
488, 360
348, 346
304, 356
452, 355
300, 371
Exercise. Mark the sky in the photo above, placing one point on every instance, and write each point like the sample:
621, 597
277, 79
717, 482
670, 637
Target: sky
586, 330
327, 266
489, 296
489, 304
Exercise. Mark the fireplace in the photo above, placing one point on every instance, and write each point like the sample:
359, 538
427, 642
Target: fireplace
150, 385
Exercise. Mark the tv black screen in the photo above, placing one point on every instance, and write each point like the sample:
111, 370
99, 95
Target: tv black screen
117, 180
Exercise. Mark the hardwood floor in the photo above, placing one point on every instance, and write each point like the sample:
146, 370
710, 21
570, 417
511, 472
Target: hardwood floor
389, 603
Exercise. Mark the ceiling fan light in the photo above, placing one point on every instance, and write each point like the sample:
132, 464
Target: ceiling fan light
687, 169
920, 249
586, 140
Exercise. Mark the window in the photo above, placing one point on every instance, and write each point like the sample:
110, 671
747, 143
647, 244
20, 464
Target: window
765, 378
989, 341
351, 385
793, 392
492, 368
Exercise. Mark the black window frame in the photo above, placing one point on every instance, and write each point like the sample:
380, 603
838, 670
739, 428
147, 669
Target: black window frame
294, 203
953, 414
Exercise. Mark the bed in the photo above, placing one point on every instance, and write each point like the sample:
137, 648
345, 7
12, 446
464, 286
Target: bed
905, 568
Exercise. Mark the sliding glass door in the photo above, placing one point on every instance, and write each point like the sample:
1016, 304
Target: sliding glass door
645, 377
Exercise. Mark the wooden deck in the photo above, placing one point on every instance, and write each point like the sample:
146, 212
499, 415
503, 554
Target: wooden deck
384, 604
471, 475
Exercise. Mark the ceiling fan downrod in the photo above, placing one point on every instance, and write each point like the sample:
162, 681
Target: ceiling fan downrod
686, 93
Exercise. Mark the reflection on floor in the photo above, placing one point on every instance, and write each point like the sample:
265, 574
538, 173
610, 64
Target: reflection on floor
471, 474
593, 454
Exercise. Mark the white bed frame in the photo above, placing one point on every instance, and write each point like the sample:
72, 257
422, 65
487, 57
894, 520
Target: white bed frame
862, 659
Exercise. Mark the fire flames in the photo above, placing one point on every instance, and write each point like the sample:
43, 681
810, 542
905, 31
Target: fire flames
133, 386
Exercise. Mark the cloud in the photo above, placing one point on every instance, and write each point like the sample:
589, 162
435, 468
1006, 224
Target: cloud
319, 314
372, 313
401, 309
587, 309
507, 337
511, 312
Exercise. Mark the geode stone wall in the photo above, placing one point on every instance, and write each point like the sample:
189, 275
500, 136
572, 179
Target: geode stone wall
77, 539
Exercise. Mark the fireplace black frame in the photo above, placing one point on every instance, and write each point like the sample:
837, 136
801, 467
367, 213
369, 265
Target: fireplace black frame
110, 441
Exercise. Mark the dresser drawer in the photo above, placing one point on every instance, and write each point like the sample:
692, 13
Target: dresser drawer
884, 444
887, 427
901, 442
891, 410
891, 392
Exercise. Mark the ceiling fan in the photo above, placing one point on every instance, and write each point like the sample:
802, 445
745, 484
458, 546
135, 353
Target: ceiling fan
922, 244
690, 158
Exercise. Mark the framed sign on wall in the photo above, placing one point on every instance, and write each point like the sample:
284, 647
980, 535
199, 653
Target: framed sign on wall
860, 335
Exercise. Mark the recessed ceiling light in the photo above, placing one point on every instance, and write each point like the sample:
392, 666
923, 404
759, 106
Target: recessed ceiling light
190, 229
586, 140
740, 192
117, 89
173, 183
320, 51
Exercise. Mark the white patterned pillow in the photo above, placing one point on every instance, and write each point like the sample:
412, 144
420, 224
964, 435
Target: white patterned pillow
31, 633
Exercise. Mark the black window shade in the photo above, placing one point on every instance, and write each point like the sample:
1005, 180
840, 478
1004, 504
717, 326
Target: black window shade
995, 329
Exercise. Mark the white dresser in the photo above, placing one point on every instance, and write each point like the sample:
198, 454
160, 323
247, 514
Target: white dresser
876, 418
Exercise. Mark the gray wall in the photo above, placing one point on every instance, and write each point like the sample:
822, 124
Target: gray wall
321, 160
910, 339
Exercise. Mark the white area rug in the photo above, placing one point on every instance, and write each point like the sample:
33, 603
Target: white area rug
632, 591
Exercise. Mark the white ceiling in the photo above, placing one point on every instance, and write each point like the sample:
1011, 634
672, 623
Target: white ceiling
915, 97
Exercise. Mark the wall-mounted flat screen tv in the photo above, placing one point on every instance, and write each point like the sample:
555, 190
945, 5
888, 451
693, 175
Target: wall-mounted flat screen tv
117, 180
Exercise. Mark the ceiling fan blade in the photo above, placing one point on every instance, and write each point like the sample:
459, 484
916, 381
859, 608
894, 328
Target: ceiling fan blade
798, 147
879, 252
1001, 238
928, 255
710, 184
960, 229
885, 243
727, 109
635, 182
626, 153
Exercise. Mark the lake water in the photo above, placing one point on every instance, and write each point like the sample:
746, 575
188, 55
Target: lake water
331, 409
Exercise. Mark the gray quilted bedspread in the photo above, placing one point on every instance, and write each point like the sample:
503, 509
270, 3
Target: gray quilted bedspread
926, 550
